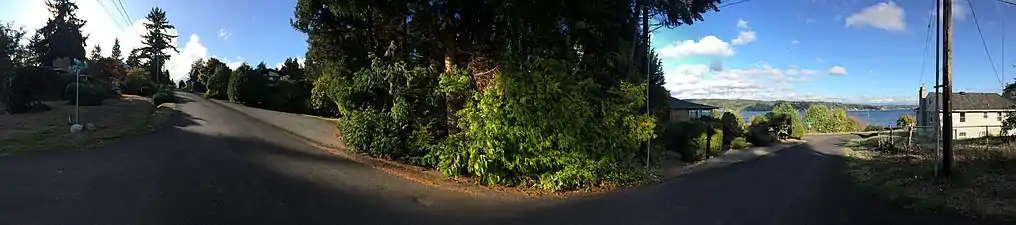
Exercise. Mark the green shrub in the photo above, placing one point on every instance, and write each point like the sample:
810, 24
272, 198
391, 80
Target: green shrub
796, 128
759, 135
739, 143
87, 94
732, 128
288, 96
247, 86
163, 95
138, 83
321, 102
874, 127
538, 122
383, 119
218, 83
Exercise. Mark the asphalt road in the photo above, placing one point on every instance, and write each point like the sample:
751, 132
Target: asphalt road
217, 166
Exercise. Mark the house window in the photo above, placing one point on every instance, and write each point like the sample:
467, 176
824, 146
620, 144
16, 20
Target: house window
999, 118
963, 117
963, 134
982, 134
985, 115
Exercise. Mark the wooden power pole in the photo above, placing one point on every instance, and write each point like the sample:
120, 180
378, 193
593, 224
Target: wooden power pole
947, 122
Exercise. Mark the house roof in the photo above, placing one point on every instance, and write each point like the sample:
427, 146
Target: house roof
975, 101
682, 104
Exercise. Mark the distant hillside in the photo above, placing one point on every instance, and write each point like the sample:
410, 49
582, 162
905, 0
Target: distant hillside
759, 105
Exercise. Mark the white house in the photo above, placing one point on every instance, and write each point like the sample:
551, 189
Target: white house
974, 114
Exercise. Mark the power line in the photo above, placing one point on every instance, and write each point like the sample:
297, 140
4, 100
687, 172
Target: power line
733, 3
927, 42
103, 6
983, 43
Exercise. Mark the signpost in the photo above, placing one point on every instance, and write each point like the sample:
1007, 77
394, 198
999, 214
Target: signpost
77, 66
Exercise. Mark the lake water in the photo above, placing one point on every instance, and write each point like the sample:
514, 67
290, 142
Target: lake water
879, 117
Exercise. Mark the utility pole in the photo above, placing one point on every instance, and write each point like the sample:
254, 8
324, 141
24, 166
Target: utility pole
645, 35
938, 76
947, 157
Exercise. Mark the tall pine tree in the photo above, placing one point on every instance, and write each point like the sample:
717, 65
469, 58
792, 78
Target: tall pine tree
116, 54
155, 43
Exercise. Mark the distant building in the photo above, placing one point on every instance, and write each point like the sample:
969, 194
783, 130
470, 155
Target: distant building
974, 114
272, 74
681, 110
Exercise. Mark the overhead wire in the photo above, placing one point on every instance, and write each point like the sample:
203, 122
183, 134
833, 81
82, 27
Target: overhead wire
927, 42
983, 43
103, 6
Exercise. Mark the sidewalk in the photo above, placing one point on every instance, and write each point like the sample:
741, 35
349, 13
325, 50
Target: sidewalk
320, 130
729, 157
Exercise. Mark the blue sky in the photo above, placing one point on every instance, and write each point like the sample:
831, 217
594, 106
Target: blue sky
840, 50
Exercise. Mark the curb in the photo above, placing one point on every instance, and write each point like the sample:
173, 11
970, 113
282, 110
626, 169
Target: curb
716, 162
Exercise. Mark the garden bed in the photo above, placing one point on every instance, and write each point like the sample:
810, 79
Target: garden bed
49, 130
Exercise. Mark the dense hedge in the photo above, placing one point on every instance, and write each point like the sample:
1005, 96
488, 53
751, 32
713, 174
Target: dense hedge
84, 94
693, 141
138, 83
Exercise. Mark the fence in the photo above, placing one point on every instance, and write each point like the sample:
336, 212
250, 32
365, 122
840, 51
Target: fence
924, 144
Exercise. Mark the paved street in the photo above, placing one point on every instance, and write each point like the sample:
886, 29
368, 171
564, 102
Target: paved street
217, 166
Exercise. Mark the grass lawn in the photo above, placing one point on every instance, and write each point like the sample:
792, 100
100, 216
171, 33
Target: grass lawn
49, 131
983, 183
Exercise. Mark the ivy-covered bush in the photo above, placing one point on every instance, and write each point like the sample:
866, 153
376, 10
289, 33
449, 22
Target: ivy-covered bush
538, 124
84, 94
739, 143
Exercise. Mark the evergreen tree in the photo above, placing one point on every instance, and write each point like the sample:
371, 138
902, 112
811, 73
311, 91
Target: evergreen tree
116, 55
156, 41
61, 36
96, 54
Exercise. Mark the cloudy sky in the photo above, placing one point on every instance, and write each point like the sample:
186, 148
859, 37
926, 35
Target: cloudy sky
840, 50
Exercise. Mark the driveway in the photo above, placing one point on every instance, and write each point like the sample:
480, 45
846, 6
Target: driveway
217, 166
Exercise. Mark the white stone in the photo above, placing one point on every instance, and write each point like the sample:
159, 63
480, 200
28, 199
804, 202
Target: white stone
75, 128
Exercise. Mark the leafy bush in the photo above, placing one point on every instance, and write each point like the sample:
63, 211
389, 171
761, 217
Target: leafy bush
84, 94
289, 96
537, 122
138, 83
732, 127
218, 83
905, 121
163, 95
874, 127
321, 102
796, 129
739, 143
383, 119
759, 135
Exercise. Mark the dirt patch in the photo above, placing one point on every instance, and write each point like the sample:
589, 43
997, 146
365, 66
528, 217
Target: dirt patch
49, 130
983, 184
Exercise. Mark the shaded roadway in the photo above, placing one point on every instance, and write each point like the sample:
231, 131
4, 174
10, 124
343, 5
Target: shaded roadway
213, 165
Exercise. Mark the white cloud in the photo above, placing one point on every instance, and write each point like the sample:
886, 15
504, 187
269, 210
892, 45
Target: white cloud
810, 21
224, 34
179, 65
759, 82
278, 65
959, 10
884, 15
708, 45
743, 37
795, 41
741, 24
837, 70
762, 82
820, 60
233, 64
